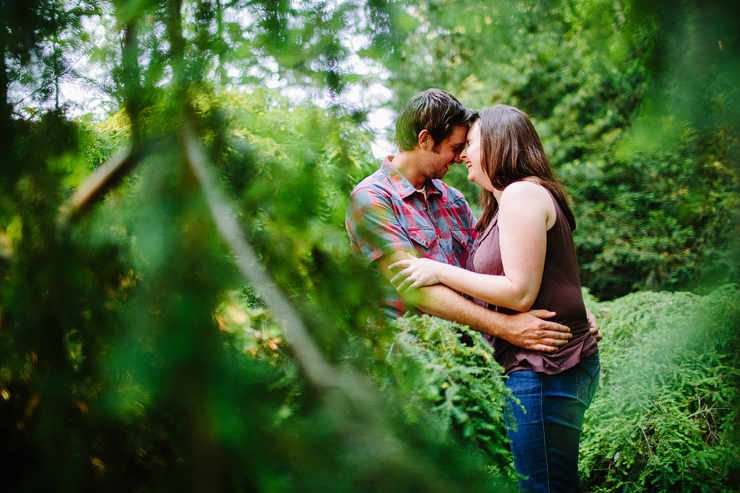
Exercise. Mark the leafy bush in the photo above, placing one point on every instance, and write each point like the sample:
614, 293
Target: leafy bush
656, 219
438, 365
637, 108
133, 359
667, 415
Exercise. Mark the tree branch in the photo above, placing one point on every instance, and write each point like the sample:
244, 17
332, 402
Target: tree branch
317, 369
105, 177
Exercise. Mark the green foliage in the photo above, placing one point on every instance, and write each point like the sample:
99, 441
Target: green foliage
37, 39
92, 349
637, 108
666, 415
273, 155
450, 368
657, 219
133, 356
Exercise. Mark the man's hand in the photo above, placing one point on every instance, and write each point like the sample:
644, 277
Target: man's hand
529, 331
593, 326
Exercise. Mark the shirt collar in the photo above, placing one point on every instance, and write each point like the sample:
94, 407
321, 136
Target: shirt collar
399, 182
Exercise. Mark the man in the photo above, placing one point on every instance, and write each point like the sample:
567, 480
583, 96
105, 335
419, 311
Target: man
405, 209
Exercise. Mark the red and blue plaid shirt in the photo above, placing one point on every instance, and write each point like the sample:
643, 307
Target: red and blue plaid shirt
386, 214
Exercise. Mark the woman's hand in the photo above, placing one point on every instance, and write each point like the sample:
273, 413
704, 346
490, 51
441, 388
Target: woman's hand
416, 272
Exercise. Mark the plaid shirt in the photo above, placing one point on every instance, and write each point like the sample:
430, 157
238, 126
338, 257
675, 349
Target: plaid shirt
386, 214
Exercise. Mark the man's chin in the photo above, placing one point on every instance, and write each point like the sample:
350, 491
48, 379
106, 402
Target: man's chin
442, 173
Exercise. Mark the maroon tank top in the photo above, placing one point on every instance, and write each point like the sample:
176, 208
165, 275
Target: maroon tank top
560, 292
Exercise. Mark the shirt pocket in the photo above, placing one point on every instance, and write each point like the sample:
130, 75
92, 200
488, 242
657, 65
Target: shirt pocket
460, 238
424, 240
462, 241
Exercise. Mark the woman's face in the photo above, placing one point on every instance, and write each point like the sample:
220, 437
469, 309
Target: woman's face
471, 155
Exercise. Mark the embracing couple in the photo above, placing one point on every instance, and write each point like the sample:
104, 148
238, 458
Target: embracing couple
515, 265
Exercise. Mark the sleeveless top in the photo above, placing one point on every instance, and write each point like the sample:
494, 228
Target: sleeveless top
560, 292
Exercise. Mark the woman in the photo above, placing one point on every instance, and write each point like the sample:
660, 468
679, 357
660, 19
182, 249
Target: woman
524, 259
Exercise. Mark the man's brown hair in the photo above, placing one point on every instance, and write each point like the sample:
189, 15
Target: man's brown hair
435, 110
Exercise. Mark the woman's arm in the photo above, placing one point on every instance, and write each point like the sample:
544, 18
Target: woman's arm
526, 212
527, 330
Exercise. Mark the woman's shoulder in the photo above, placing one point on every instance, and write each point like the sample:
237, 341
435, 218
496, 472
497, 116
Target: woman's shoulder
527, 199
525, 189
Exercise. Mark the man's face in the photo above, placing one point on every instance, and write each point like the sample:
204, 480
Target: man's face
437, 161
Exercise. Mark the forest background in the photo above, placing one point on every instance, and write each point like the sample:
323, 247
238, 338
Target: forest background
179, 308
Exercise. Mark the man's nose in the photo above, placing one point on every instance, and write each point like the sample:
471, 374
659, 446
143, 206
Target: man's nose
458, 157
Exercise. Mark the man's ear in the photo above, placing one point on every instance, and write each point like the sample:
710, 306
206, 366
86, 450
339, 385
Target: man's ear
425, 140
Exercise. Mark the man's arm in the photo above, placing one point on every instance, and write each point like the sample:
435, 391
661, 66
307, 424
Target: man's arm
526, 330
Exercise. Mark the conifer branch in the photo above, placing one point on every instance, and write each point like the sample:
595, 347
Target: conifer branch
105, 177
317, 369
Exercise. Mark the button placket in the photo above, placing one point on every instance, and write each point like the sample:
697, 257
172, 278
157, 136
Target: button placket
437, 232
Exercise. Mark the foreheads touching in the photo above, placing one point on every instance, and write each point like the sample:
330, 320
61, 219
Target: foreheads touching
511, 149
434, 110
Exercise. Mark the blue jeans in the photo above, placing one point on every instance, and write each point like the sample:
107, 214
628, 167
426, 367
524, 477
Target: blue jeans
545, 443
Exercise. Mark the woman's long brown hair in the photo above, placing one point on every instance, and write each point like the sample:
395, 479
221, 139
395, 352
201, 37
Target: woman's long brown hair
511, 150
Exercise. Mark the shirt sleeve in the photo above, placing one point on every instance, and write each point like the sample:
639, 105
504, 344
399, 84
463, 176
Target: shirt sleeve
374, 227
